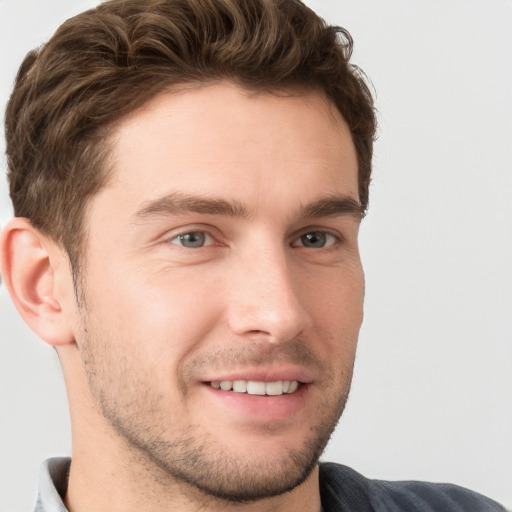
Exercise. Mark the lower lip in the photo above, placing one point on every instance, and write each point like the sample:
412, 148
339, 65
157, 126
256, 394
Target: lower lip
261, 407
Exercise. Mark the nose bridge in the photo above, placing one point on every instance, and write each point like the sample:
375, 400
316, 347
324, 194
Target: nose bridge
265, 298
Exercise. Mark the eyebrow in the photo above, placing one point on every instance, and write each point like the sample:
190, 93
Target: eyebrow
333, 206
179, 203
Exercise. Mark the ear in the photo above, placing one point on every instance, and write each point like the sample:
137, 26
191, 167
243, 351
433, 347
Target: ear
29, 263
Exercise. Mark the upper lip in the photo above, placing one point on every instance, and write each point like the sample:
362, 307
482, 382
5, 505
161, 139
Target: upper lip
263, 374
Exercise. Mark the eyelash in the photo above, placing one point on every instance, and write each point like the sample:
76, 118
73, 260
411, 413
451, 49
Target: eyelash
335, 239
209, 239
180, 236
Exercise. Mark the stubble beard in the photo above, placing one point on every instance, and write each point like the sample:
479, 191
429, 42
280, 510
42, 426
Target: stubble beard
191, 460
209, 470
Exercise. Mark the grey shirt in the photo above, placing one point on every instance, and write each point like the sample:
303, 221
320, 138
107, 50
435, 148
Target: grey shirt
342, 490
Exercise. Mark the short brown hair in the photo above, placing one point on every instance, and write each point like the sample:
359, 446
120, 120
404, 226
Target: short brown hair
106, 62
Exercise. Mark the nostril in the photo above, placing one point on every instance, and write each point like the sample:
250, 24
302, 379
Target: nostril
259, 333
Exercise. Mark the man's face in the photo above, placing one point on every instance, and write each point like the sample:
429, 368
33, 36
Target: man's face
224, 250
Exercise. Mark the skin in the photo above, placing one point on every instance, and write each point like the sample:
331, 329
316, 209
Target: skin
159, 320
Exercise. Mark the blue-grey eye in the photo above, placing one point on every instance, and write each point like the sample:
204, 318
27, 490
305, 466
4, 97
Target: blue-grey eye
192, 240
315, 240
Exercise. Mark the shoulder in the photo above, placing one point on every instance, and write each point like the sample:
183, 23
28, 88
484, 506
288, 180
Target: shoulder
342, 488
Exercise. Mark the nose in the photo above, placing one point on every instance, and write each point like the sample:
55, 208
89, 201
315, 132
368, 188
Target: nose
265, 298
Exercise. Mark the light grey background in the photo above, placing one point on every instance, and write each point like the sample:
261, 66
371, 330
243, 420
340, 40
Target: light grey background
432, 394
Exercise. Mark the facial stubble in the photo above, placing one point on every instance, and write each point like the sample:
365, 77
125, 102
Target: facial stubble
191, 459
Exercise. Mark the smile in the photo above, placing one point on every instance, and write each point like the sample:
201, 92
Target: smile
254, 387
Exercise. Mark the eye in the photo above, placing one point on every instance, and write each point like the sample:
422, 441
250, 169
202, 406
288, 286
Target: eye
192, 240
315, 240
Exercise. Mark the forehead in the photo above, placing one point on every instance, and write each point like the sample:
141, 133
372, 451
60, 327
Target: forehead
222, 140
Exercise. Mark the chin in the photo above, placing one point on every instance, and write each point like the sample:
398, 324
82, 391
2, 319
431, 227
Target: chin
241, 481
256, 469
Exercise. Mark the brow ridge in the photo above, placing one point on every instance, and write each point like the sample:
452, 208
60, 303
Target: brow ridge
179, 203
333, 206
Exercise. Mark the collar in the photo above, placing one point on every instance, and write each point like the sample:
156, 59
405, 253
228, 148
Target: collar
53, 483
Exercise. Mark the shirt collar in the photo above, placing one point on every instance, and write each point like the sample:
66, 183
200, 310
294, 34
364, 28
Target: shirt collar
53, 483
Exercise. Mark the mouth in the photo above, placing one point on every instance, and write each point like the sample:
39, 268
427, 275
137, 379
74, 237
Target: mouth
255, 387
262, 397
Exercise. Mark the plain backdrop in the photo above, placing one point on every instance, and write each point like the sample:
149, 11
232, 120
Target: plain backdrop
432, 393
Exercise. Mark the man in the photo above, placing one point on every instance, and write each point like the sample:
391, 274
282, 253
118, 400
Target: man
188, 181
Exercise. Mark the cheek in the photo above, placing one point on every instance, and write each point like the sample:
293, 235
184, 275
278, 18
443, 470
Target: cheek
164, 315
335, 299
338, 314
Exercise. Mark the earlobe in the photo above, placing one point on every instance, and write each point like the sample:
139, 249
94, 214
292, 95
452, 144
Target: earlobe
29, 275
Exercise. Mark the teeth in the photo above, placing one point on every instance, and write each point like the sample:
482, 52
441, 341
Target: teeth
274, 388
226, 385
254, 387
240, 386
